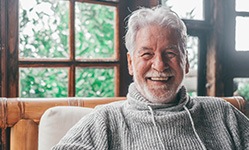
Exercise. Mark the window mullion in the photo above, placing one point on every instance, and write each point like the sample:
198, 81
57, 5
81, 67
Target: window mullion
12, 49
71, 83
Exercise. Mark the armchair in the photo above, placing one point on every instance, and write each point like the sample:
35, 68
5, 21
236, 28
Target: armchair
29, 119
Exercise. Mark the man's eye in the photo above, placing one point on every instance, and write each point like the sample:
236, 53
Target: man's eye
147, 55
170, 54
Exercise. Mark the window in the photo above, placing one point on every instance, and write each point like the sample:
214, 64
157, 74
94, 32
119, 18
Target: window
192, 13
241, 87
187, 9
191, 79
236, 70
54, 48
241, 83
242, 23
68, 49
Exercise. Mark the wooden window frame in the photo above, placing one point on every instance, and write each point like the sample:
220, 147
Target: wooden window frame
11, 63
237, 62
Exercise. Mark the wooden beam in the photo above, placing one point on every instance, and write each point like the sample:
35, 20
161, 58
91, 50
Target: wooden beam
12, 49
215, 85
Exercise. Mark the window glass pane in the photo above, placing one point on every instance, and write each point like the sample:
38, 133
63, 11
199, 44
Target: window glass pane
241, 87
191, 77
95, 82
43, 27
242, 5
43, 82
94, 31
187, 9
242, 32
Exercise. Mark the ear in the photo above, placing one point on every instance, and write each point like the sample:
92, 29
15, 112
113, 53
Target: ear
187, 67
129, 61
187, 64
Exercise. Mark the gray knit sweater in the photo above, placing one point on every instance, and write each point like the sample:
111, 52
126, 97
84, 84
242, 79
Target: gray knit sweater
202, 123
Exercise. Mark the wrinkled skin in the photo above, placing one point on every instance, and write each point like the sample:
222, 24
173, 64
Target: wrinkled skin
158, 65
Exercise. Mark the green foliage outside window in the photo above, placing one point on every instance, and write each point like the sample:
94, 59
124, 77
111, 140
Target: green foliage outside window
43, 29
93, 82
244, 91
43, 82
241, 87
44, 33
94, 27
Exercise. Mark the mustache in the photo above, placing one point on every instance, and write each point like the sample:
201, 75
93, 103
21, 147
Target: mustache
166, 73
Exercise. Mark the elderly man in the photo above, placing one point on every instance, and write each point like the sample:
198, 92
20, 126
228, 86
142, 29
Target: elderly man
158, 114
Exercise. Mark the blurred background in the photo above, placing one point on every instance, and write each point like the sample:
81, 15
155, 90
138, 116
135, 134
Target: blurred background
61, 48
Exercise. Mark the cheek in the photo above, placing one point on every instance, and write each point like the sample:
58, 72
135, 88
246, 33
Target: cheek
141, 67
178, 65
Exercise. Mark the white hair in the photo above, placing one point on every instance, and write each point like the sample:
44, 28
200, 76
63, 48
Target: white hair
159, 15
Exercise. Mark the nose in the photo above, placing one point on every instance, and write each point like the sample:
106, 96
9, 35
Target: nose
160, 64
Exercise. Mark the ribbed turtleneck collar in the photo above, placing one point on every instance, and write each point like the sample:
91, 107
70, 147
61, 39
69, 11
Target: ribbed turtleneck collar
137, 100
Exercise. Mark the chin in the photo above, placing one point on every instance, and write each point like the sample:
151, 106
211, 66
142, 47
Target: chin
158, 93
167, 97
162, 94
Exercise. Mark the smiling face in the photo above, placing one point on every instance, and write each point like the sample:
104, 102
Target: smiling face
157, 64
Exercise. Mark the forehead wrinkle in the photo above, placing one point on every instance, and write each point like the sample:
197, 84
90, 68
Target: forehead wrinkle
146, 48
172, 46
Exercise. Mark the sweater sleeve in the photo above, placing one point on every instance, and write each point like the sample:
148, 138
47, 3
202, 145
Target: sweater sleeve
238, 125
89, 133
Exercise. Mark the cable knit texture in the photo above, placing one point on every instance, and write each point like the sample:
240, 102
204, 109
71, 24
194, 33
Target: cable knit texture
136, 124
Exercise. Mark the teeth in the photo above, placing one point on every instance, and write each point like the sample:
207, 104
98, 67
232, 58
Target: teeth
160, 78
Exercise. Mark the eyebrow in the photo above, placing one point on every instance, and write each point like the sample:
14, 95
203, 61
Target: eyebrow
144, 49
171, 47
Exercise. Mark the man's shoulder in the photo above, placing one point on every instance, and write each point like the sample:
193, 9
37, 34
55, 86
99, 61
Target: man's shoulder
209, 100
210, 106
110, 106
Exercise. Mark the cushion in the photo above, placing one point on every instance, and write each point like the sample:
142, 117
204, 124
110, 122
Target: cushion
56, 121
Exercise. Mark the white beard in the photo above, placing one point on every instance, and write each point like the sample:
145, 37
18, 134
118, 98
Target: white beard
167, 95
